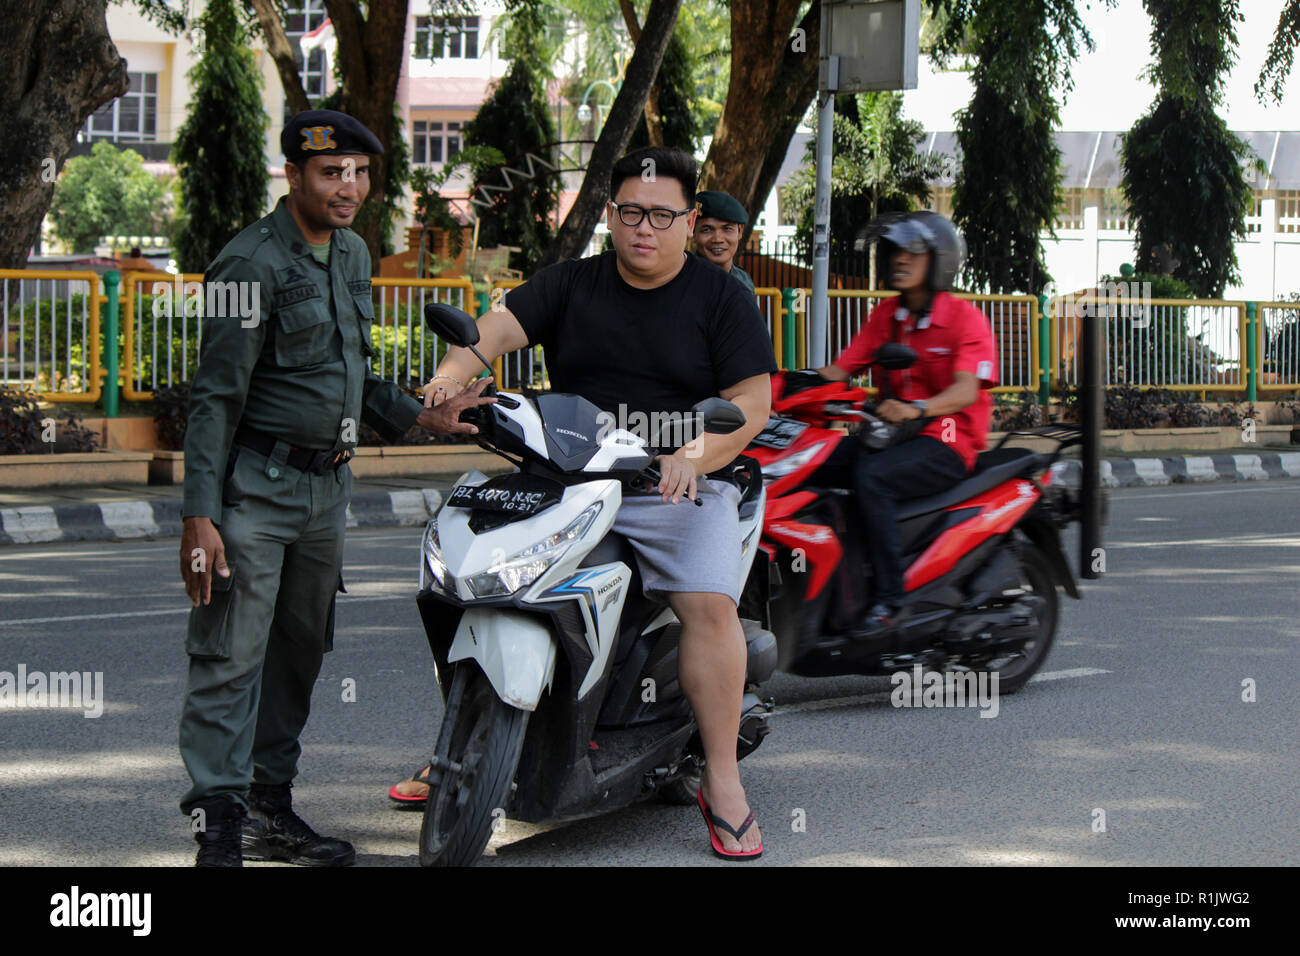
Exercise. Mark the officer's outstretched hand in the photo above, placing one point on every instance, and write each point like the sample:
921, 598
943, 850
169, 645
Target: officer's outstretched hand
441, 414
203, 554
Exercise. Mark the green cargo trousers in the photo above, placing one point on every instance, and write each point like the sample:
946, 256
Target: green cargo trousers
255, 650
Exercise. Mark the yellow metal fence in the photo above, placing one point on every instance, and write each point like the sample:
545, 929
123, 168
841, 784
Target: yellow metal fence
49, 333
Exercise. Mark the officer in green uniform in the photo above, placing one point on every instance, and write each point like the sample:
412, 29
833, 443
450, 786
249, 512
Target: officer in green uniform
718, 230
283, 380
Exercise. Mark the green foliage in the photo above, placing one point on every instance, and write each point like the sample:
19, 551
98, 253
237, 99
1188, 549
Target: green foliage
170, 415
1281, 53
1007, 190
876, 169
677, 115
22, 429
107, 193
220, 150
1185, 173
515, 121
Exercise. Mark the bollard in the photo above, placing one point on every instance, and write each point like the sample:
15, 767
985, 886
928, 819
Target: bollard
1092, 345
788, 298
112, 279
1252, 365
1044, 351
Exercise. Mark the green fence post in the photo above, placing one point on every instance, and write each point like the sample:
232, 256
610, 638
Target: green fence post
1044, 352
1252, 379
484, 302
111, 281
788, 298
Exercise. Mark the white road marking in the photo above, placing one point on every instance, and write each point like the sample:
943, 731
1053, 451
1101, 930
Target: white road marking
883, 695
176, 610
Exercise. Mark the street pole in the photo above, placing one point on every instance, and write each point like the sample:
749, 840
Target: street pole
820, 311
1092, 360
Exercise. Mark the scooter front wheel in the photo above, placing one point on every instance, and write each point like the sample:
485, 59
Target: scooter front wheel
474, 768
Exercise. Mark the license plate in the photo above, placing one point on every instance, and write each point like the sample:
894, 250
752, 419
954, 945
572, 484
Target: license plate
780, 432
513, 498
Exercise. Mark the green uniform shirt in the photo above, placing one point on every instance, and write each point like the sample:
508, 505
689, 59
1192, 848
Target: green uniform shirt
742, 276
301, 372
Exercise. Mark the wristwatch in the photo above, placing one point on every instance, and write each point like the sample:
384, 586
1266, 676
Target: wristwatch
920, 404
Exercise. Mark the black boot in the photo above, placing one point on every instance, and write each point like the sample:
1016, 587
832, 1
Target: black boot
274, 832
219, 837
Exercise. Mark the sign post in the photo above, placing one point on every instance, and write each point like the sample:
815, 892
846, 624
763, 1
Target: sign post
865, 45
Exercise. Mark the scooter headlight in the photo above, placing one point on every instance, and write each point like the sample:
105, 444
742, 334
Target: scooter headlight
522, 569
433, 569
787, 466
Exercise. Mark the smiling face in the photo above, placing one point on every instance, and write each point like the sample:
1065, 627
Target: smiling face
908, 270
327, 191
647, 255
717, 240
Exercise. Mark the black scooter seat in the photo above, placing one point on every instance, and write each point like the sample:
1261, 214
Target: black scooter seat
992, 468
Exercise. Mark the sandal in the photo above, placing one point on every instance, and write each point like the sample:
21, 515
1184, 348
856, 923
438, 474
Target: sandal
711, 820
422, 788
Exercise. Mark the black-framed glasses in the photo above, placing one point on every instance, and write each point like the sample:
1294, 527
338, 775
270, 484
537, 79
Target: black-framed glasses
630, 214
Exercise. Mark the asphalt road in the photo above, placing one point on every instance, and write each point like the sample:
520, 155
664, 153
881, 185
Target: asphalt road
1140, 715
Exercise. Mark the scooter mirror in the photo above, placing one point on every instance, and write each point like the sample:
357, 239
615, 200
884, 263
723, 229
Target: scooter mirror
895, 356
720, 417
451, 324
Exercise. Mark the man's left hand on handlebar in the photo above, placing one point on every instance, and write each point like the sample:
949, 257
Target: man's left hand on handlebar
678, 477
442, 416
896, 412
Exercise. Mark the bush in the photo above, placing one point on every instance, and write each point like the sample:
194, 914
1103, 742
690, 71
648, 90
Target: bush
1128, 407
171, 411
23, 428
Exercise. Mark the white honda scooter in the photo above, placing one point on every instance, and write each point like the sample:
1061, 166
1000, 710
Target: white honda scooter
559, 675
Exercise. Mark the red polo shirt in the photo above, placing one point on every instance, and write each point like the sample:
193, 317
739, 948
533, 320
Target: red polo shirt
954, 337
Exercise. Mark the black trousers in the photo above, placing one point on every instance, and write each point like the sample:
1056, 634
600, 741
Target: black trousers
915, 469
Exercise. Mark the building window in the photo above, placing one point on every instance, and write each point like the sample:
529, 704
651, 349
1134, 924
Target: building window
1114, 210
303, 16
1070, 215
1288, 210
446, 37
1255, 218
132, 117
434, 141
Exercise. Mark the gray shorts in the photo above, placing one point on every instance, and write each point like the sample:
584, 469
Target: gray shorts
686, 547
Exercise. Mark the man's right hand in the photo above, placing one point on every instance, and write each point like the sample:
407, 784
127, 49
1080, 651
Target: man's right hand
203, 553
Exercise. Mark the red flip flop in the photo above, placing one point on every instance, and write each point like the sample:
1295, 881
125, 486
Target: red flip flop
711, 820
404, 798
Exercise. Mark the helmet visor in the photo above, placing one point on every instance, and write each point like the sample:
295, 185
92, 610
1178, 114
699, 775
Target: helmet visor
909, 234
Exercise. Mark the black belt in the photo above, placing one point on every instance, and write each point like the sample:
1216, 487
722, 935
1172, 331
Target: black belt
304, 459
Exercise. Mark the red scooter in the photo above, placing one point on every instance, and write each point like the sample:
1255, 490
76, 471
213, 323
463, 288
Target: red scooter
982, 561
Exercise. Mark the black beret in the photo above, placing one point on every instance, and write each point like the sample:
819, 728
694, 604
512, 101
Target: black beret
718, 205
326, 133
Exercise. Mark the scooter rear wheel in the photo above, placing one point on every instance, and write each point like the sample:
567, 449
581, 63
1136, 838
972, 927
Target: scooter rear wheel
478, 753
1015, 669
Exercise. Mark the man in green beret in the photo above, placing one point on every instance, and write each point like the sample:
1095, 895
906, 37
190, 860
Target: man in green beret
718, 230
283, 382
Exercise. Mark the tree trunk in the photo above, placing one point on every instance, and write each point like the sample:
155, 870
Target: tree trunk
60, 66
619, 125
653, 121
370, 51
281, 51
772, 83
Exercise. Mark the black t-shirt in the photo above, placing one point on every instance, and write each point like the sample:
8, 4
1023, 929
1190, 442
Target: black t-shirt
649, 351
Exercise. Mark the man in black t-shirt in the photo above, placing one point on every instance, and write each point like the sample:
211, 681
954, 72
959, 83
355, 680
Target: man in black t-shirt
645, 332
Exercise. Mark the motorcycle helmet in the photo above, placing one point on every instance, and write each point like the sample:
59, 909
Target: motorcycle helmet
919, 231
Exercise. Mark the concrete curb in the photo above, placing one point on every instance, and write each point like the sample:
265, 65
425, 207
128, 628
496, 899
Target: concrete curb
1148, 472
123, 520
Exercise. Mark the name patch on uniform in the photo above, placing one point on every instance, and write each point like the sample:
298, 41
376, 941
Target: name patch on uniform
359, 286
297, 294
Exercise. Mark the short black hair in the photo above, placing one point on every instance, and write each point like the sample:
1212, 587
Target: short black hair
669, 163
135, 251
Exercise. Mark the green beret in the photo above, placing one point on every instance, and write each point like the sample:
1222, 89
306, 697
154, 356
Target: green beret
326, 133
718, 205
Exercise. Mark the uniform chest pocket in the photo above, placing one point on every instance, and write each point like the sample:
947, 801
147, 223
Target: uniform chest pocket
365, 320
304, 335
